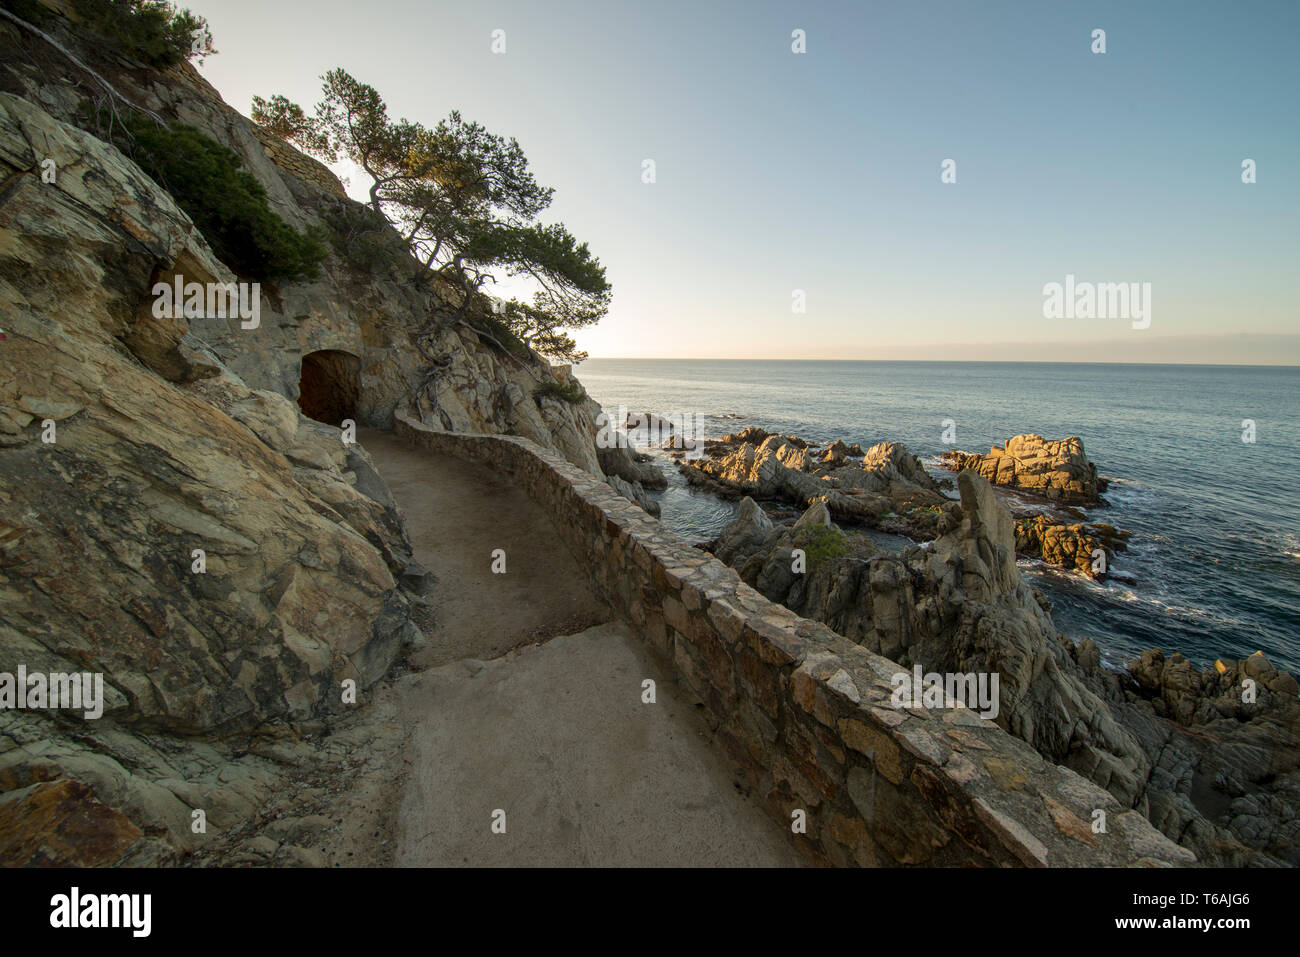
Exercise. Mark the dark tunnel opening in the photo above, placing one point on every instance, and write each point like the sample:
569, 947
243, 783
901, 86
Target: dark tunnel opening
330, 388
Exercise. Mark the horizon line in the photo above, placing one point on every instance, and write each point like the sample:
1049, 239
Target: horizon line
1056, 362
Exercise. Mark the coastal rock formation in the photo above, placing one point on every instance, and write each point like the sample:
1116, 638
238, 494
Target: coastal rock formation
1082, 547
757, 464
630, 465
1224, 745
885, 487
630, 473
1059, 471
124, 459
837, 452
634, 492
959, 605
226, 563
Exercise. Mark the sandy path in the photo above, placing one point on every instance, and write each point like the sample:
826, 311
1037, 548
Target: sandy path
558, 737
457, 514
527, 708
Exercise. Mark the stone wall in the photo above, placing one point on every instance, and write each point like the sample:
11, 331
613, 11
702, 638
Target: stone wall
298, 163
804, 714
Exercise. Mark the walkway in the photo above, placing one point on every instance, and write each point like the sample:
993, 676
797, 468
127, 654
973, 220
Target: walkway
532, 704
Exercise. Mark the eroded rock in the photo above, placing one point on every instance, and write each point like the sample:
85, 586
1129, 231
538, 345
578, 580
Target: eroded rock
1056, 470
756, 464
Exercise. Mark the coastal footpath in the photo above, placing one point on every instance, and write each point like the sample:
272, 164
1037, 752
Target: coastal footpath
190, 514
181, 514
804, 714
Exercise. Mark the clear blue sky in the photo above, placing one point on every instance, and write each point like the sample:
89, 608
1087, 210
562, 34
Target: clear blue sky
820, 171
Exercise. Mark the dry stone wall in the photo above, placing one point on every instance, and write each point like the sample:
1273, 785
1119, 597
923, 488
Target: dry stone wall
298, 163
804, 714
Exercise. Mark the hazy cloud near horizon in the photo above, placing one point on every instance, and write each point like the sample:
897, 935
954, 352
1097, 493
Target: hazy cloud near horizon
821, 171
1255, 350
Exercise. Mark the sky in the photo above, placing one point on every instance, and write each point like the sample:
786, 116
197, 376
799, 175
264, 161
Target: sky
820, 171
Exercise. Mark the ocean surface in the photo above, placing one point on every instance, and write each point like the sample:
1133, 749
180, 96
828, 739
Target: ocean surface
1213, 565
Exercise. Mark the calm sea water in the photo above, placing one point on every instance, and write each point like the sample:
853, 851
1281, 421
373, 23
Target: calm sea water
1215, 555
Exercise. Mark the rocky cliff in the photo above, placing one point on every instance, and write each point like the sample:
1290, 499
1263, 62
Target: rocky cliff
235, 569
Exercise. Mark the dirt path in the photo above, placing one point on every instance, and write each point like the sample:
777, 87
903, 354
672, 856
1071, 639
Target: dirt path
557, 742
532, 705
457, 514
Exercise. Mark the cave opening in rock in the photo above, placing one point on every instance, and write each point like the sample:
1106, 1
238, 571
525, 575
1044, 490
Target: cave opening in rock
330, 387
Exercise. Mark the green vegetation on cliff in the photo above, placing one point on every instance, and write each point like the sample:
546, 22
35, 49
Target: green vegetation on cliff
821, 544
226, 202
364, 239
570, 391
153, 32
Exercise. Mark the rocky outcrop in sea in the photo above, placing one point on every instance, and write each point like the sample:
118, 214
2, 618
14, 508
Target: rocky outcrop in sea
1084, 547
885, 480
1056, 470
888, 488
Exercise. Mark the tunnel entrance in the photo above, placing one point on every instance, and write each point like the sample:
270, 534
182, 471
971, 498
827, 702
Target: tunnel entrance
330, 388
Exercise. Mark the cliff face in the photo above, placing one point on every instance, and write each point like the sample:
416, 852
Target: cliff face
402, 332
234, 569
128, 446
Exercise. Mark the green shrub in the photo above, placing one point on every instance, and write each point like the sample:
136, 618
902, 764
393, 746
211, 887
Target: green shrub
490, 325
570, 391
151, 31
226, 203
32, 11
821, 543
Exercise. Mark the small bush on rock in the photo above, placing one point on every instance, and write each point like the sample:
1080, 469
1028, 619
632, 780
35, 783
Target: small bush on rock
569, 391
821, 544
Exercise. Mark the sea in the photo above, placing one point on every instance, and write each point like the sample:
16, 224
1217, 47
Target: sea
1203, 462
